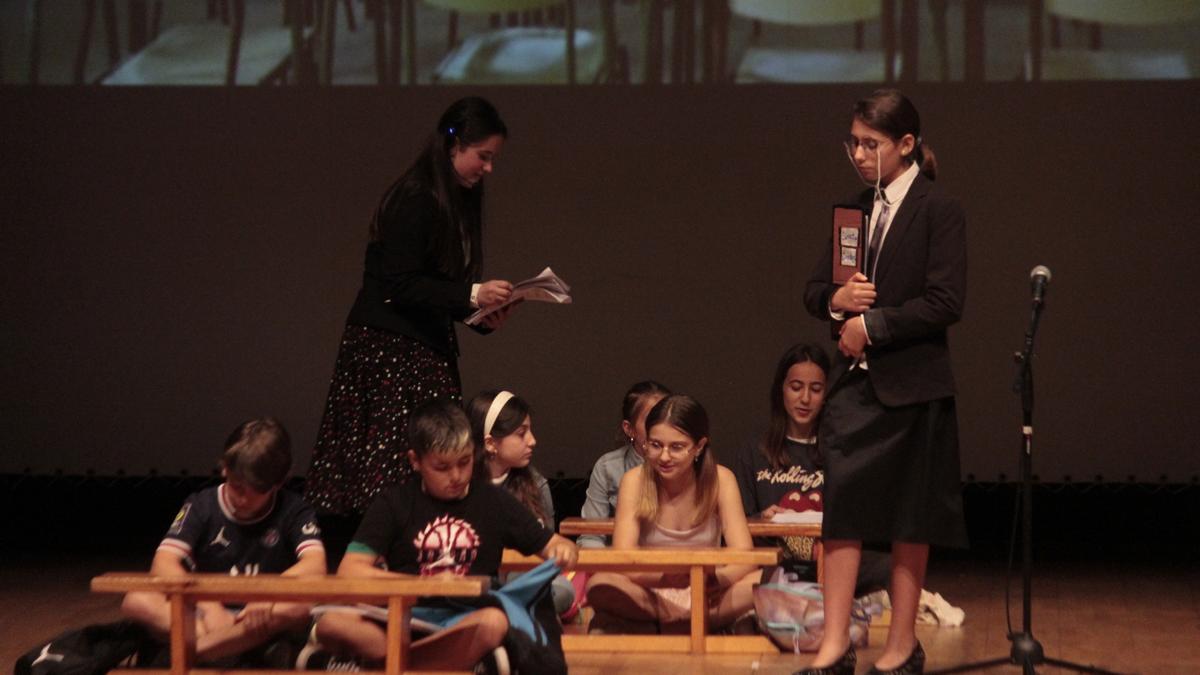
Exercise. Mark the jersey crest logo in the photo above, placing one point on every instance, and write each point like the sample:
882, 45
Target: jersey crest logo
447, 544
271, 538
177, 524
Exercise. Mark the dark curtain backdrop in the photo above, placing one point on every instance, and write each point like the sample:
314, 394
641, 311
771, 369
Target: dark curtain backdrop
176, 260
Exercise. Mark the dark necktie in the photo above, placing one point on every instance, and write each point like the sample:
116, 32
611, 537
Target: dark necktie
876, 240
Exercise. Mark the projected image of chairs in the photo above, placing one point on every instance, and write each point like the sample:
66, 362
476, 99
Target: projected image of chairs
593, 42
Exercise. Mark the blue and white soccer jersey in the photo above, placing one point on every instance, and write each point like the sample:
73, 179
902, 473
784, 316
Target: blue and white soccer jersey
207, 536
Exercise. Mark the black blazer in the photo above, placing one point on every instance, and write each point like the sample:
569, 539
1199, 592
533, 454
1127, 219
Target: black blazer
921, 287
403, 291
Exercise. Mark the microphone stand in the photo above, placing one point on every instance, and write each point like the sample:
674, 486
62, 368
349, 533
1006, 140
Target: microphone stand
1026, 651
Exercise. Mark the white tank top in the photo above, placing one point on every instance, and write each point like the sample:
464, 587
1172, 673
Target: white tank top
706, 534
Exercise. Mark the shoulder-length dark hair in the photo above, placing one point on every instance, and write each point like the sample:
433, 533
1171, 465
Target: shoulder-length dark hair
773, 442
687, 415
522, 481
890, 112
458, 244
638, 395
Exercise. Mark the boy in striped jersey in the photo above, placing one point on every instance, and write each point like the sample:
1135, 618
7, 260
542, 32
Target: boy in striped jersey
247, 525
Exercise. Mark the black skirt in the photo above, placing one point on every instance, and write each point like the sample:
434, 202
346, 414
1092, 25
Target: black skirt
379, 378
891, 473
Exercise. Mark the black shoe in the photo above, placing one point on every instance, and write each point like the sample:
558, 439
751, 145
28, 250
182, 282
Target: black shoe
913, 665
278, 655
843, 666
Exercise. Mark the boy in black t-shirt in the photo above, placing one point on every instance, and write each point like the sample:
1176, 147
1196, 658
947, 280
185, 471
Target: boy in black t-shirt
246, 525
444, 523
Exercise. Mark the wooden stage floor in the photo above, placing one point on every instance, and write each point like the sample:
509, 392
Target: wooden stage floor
1131, 618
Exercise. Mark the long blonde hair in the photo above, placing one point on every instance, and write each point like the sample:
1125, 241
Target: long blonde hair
687, 415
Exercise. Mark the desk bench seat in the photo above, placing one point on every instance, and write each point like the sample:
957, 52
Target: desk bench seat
697, 562
399, 594
758, 528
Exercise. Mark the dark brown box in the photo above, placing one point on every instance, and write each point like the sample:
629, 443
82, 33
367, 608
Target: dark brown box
849, 241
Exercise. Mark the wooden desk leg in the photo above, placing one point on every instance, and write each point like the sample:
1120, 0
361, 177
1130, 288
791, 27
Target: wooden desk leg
410, 41
395, 25
652, 41
1036, 12
909, 40
183, 635
138, 25
888, 19
85, 40
699, 610
973, 40
939, 8
570, 21
377, 10
819, 549
682, 42
398, 636
325, 40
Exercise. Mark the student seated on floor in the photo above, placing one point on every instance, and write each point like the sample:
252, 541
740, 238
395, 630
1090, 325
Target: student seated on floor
502, 427
601, 499
782, 469
445, 523
680, 497
247, 525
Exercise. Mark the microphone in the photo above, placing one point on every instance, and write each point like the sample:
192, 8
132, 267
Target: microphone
1039, 278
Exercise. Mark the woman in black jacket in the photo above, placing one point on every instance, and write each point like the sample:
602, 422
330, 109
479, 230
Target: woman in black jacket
399, 349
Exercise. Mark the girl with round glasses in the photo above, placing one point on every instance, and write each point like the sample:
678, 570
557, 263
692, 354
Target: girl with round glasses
889, 432
679, 497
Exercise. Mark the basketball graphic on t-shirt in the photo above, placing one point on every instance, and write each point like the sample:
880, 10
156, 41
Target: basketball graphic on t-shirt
447, 544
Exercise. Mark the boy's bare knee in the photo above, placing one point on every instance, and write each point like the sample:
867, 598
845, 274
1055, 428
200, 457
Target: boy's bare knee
493, 625
140, 606
330, 627
599, 579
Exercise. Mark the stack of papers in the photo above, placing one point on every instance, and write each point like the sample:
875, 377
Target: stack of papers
545, 287
805, 517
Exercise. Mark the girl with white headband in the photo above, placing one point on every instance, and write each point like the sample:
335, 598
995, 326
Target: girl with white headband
502, 428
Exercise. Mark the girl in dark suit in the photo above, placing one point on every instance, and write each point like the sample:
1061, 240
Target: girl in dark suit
399, 350
889, 431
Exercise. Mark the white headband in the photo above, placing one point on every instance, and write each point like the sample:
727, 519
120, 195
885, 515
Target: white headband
493, 412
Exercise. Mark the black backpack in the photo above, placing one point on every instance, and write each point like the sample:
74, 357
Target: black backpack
91, 650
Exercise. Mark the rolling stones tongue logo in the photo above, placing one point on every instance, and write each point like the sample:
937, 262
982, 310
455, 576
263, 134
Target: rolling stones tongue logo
803, 501
446, 545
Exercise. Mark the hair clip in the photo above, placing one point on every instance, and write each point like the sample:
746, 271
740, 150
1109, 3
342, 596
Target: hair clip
449, 131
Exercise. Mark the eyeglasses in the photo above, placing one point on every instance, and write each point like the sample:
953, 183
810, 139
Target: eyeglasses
675, 450
869, 144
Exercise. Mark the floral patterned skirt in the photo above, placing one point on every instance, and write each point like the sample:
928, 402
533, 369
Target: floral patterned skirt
379, 378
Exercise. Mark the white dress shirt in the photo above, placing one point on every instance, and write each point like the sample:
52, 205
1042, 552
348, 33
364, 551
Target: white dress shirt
895, 192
